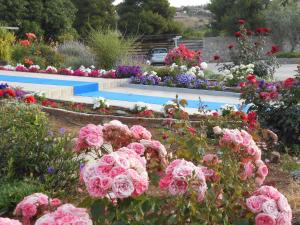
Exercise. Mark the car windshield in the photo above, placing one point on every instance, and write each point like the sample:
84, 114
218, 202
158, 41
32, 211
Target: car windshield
157, 51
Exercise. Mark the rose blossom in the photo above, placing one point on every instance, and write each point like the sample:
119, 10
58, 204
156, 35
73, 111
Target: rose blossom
263, 170
270, 207
254, 203
7, 221
139, 133
264, 219
122, 186
137, 147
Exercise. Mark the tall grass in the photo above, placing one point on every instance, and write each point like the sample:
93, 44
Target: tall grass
76, 54
109, 47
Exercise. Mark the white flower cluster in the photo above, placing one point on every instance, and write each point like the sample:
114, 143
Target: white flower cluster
100, 103
9, 67
196, 71
228, 107
140, 106
239, 72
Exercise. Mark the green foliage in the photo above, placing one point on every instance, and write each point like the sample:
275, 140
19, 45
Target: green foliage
227, 12
147, 17
40, 53
288, 55
76, 54
36, 153
284, 20
6, 43
94, 14
48, 18
109, 47
166, 71
12, 192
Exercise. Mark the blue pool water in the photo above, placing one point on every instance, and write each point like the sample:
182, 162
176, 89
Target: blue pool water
90, 89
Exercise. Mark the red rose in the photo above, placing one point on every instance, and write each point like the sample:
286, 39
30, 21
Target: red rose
273, 95
25, 43
1, 93
30, 99
241, 21
288, 83
251, 78
216, 57
238, 34
230, 46
242, 84
264, 95
192, 130
252, 115
28, 62
249, 32
274, 49
10, 92
215, 114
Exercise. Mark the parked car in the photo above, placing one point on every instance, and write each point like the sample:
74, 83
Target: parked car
157, 55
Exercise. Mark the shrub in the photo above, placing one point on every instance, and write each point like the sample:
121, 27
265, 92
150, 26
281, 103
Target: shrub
37, 152
38, 53
109, 47
251, 49
277, 106
12, 192
288, 55
76, 54
6, 42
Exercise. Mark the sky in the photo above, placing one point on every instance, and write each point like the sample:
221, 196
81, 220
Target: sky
178, 3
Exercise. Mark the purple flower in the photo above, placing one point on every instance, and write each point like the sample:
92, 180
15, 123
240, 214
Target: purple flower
128, 71
51, 170
185, 80
3, 86
62, 130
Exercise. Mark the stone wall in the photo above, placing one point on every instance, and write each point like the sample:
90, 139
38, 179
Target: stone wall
219, 46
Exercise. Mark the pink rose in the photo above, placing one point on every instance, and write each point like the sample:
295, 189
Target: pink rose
140, 187
262, 171
7, 221
247, 138
259, 180
211, 159
139, 133
248, 171
254, 203
107, 160
283, 219
283, 204
106, 183
165, 181
92, 135
103, 170
29, 210
122, 186
137, 147
270, 207
115, 171
178, 187
55, 202
217, 130
181, 172
269, 191
95, 187
264, 219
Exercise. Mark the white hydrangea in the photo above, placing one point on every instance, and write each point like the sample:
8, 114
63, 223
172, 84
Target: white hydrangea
204, 65
9, 67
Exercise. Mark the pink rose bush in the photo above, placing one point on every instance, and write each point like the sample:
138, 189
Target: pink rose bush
182, 175
66, 214
90, 136
242, 143
7, 221
120, 174
34, 205
270, 206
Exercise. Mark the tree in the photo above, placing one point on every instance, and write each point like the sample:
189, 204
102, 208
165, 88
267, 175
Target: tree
227, 12
94, 14
284, 20
49, 18
147, 17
